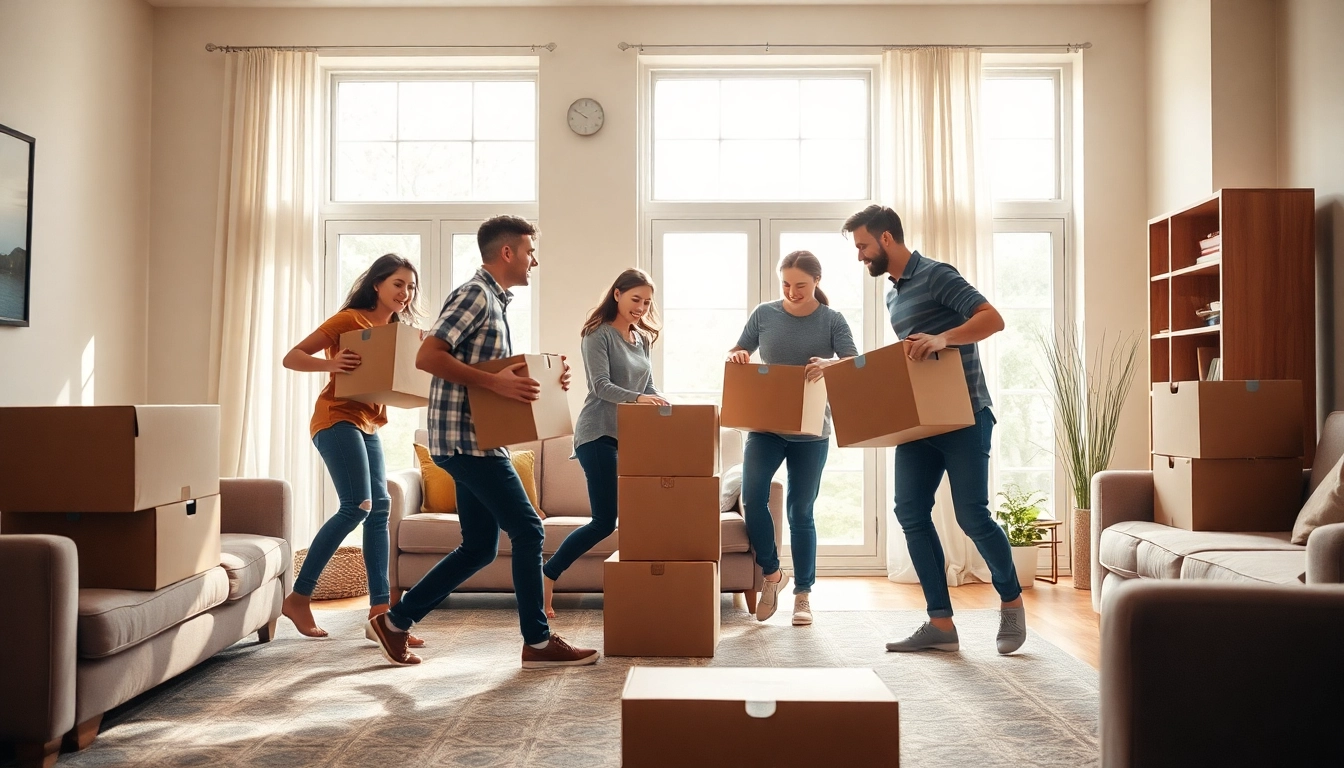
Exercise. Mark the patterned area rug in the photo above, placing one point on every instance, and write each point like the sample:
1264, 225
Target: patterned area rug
335, 702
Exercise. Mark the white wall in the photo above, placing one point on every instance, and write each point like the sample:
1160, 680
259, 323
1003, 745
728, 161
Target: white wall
587, 186
1243, 93
1311, 154
75, 74
1180, 109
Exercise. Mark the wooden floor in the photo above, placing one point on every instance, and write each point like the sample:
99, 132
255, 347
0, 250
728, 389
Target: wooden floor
1058, 612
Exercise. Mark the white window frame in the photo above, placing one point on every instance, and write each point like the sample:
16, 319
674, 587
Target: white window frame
1057, 216
768, 219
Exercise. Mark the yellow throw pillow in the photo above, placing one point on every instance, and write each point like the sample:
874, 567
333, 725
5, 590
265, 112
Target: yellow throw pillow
525, 464
440, 491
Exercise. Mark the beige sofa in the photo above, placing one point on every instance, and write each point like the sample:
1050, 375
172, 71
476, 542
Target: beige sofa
1127, 544
67, 655
421, 539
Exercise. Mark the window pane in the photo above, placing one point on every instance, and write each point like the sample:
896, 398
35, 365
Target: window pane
434, 111
1019, 108
466, 258
685, 109
434, 170
504, 170
505, 110
686, 170
704, 303
834, 109
1028, 480
839, 507
357, 252
1023, 273
366, 112
759, 170
1025, 431
759, 109
695, 344
1022, 169
834, 169
366, 171
1021, 362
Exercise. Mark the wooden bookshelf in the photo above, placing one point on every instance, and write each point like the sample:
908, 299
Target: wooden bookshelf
1265, 277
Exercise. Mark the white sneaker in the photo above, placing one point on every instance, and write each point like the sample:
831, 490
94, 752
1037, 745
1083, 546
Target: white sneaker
770, 596
802, 610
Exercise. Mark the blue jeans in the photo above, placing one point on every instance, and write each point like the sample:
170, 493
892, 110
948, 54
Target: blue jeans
964, 455
490, 498
806, 459
355, 462
598, 459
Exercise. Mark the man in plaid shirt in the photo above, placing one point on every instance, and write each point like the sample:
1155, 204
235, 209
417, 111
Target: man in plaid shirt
473, 327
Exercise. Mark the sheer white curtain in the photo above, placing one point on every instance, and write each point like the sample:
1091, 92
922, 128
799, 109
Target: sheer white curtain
933, 174
267, 279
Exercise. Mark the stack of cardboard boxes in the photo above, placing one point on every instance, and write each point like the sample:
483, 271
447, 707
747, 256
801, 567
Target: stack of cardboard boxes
1227, 455
135, 487
661, 589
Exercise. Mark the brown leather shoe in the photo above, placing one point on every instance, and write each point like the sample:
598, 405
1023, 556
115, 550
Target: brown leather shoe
558, 653
411, 640
393, 643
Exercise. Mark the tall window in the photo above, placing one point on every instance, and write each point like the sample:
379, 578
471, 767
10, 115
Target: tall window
1026, 118
416, 159
745, 166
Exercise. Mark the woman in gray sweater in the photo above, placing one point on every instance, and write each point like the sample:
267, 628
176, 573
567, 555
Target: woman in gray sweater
800, 329
616, 341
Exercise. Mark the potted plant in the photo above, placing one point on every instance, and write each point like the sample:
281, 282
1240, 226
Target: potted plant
1087, 417
1017, 515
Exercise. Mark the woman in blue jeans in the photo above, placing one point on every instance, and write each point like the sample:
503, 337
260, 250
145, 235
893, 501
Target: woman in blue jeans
346, 435
616, 341
800, 329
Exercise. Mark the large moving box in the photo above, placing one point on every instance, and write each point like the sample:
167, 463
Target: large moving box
107, 458
883, 398
772, 398
1228, 419
1226, 494
669, 518
386, 374
502, 421
660, 608
667, 440
149, 549
696, 716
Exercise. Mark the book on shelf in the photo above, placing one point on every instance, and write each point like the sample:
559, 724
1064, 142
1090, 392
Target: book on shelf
1212, 241
1215, 370
1211, 256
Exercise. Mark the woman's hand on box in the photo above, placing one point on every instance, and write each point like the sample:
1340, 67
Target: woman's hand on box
739, 356
814, 368
564, 373
345, 361
508, 383
921, 346
651, 400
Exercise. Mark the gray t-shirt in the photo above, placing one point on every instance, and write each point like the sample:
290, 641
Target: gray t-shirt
788, 340
618, 371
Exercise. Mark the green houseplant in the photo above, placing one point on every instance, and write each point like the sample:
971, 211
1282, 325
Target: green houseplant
1017, 515
1087, 404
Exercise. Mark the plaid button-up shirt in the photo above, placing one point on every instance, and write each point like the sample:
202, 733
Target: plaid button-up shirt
475, 327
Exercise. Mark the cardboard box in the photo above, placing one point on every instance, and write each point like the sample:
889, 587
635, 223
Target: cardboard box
758, 717
772, 398
667, 440
386, 374
107, 458
1227, 494
149, 549
883, 398
669, 518
1228, 419
501, 421
660, 609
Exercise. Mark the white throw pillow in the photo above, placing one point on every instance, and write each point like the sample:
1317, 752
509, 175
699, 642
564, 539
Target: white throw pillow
1324, 506
730, 488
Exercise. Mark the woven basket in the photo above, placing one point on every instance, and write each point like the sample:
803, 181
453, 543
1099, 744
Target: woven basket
343, 577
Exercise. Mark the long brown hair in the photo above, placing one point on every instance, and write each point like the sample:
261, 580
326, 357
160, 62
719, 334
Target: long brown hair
648, 325
809, 263
364, 293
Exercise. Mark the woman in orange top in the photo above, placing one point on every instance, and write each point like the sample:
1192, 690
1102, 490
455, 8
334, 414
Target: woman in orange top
346, 435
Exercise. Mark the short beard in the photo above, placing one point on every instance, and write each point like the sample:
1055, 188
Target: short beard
878, 266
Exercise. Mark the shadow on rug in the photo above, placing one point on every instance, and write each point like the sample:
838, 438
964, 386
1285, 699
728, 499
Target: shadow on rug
336, 702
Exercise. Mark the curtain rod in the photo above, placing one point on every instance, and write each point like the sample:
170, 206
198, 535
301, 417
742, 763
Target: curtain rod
641, 47
312, 48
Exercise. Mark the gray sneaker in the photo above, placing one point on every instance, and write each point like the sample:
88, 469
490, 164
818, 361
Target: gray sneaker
927, 638
1012, 629
765, 607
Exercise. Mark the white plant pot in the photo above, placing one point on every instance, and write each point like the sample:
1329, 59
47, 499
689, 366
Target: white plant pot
1025, 559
